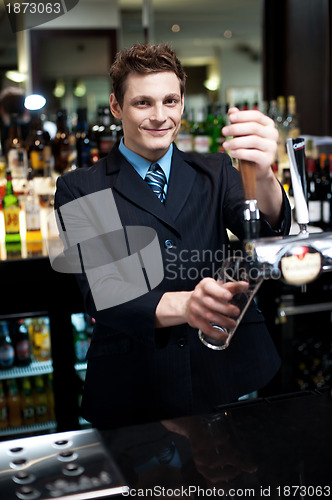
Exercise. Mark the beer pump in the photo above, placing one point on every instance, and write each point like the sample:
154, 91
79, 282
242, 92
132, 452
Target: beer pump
251, 213
297, 259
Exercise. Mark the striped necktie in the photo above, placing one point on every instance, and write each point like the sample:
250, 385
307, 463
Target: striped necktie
156, 179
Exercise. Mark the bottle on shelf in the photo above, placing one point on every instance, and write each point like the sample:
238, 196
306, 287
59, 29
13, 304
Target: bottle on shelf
81, 341
83, 143
34, 239
184, 139
11, 212
313, 192
50, 396
3, 164
217, 137
40, 400
201, 139
38, 147
105, 135
273, 110
292, 121
7, 351
281, 125
329, 196
17, 159
325, 190
22, 344
60, 143
14, 404
3, 408
28, 404
40, 339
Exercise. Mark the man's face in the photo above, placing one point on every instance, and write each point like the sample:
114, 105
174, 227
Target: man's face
151, 113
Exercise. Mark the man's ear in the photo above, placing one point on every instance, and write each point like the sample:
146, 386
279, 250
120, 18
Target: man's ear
115, 107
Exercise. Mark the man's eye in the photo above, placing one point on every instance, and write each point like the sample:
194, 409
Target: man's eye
172, 101
141, 103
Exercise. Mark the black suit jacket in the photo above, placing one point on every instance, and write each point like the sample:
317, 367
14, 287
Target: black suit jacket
137, 373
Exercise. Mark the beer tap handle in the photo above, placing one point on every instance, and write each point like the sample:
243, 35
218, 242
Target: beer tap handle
251, 212
295, 151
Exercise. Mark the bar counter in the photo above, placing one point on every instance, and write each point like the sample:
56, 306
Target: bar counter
277, 447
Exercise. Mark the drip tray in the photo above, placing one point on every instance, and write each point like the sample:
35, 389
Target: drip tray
71, 465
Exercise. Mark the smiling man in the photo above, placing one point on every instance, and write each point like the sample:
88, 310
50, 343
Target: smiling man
146, 361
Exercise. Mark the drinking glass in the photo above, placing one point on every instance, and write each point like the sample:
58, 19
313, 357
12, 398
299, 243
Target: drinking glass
234, 269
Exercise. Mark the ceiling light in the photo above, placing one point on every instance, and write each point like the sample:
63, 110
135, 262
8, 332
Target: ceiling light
212, 83
59, 89
34, 102
79, 89
228, 34
175, 28
16, 76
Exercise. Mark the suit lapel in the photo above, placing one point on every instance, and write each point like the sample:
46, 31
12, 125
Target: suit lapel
181, 182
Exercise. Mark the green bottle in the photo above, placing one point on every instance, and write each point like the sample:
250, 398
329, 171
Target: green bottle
217, 137
11, 212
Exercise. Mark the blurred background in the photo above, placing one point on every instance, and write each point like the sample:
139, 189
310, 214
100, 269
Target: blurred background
218, 41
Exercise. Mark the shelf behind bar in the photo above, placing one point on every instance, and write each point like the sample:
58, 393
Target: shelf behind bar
35, 368
18, 315
29, 429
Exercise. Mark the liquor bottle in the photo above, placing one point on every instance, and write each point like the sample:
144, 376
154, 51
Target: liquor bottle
40, 400
34, 239
184, 139
41, 340
3, 408
14, 404
325, 191
217, 137
28, 404
81, 343
201, 139
330, 194
94, 156
50, 396
281, 125
38, 147
22, 344
292, 122
105, 138
17, 159
60, 143
313, 190
7, 351
273, 110
83, 144
3, 164
11, 212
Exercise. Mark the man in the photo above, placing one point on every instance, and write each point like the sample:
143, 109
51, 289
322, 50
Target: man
146, 361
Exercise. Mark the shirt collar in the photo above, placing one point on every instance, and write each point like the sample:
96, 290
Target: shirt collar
141, 165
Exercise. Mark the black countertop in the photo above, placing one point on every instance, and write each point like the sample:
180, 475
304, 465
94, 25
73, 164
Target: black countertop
276, 447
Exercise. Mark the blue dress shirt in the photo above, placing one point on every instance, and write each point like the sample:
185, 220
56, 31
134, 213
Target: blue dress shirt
141, 165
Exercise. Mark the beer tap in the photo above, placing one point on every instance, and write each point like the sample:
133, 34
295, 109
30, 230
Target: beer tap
297, 259
251, 212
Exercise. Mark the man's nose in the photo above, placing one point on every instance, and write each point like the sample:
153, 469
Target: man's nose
158, 113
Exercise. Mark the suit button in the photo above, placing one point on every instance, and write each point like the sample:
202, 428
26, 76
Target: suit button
181, 342
169, 244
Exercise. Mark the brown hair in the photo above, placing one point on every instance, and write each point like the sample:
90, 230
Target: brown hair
144, 59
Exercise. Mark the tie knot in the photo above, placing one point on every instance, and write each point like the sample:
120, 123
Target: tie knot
154, 167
